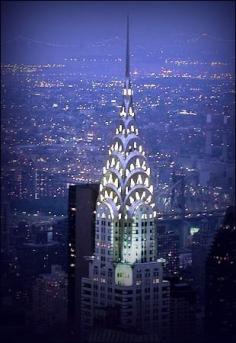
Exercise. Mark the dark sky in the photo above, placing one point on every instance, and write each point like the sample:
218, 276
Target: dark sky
77, 23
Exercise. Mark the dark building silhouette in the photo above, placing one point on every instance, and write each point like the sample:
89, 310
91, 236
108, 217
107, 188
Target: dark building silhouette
81, 240
168, 248
221, 283
182, 313
49, 301
5, 225
201, 244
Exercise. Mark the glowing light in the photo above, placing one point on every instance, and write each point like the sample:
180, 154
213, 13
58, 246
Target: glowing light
143, 195
194, 230
122, 113
139, 180
132, 183
131, 167
113, 162
123, 275
138, 163
127, 91
131, 112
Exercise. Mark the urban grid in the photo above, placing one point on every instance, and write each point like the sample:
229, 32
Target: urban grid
118, 188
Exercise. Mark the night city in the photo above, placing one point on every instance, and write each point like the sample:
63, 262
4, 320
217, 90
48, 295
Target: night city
118, 172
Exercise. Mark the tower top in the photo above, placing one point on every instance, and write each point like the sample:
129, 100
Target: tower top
126, 191
127, 65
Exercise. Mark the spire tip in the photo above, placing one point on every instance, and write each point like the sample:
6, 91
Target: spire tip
127, 69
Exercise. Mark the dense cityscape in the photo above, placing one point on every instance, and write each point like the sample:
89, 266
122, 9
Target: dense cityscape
58, 122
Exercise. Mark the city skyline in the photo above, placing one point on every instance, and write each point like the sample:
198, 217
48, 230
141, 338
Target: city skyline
167, 23
118, 171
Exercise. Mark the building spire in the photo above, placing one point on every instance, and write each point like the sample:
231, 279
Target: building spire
127, 68
127, 91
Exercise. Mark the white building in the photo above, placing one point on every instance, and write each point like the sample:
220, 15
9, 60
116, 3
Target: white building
125, 289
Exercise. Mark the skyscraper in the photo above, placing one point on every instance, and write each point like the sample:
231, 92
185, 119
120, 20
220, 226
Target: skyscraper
183, 312
50, 300
81, 240
221, 282
125, 288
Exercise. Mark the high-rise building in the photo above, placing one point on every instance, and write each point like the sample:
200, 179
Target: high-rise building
183, 313
50, 300
221, 283
5, 226
81, 241
168, 248
125, 289
201, 244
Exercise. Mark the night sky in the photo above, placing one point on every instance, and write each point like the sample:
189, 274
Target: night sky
82, 27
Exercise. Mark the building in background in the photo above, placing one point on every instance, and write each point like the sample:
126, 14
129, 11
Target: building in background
81, 243
221, 283
183, 313
5, 226
168, 247
50, 301
201, 244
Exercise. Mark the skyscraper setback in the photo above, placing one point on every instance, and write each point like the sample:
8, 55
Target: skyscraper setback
125, 288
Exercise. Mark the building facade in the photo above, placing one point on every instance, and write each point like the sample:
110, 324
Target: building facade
81, 240
125, 289
220, 282
50, 300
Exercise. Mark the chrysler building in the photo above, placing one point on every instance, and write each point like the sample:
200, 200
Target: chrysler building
125, 286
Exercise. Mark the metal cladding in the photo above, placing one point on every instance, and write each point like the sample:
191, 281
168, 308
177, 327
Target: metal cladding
126, 184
